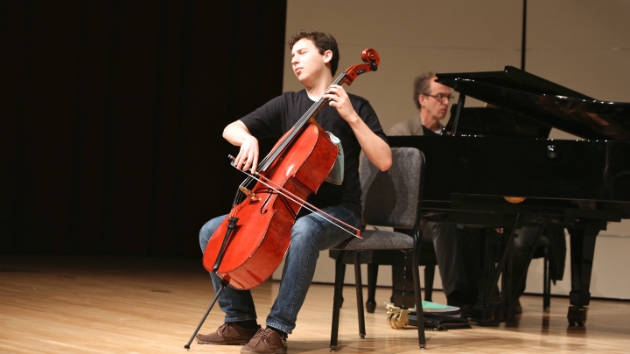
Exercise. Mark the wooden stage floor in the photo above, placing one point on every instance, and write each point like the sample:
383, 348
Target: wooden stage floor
152, 305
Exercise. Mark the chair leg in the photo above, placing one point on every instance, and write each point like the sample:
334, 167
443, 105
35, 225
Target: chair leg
547, 280
337, 299
370, 304
418, 295
343, 271
359, 288
429, 275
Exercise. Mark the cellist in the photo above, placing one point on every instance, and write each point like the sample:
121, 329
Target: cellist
350, 118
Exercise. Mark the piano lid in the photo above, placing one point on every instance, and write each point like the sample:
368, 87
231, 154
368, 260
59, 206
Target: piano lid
545, 101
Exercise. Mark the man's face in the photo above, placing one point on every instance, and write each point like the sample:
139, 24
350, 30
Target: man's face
306, 61
436, 107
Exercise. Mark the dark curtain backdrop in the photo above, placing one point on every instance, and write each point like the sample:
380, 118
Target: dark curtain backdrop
112, 114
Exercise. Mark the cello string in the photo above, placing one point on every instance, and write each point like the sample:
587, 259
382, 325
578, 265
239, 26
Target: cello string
238, 198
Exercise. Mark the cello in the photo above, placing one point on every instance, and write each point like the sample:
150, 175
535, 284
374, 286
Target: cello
253, 239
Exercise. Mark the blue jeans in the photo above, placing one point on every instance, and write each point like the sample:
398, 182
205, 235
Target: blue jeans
310, 235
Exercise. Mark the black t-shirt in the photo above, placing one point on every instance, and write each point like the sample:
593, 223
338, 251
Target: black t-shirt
280, 114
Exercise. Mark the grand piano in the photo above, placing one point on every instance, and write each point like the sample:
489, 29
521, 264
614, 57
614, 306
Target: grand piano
496, 168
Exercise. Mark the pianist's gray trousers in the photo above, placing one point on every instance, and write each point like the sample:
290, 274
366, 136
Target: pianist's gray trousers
457, 250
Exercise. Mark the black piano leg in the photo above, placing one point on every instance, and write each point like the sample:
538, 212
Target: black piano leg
582, 252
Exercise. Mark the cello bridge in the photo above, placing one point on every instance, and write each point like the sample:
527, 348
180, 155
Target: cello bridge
251, 195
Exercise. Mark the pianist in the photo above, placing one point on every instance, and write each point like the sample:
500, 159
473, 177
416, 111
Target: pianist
451, 241
432, 100
456, 246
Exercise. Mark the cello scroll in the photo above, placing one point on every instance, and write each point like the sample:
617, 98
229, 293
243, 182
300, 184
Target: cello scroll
369, 56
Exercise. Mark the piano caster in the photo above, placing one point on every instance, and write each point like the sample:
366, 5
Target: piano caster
396, 317
577, 315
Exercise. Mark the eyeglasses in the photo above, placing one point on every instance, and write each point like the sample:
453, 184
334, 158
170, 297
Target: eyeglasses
440, 97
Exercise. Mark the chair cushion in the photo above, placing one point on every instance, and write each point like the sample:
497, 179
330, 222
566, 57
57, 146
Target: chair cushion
377, 240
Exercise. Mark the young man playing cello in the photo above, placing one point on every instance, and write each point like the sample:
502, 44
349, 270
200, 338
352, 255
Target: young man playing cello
314, 58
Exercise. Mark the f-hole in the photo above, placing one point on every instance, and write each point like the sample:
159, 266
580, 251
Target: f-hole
262, 208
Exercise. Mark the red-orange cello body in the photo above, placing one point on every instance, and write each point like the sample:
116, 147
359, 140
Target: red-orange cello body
262, 234
263, 231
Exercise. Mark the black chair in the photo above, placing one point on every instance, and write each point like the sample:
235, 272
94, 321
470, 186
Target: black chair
542, 248
542, 251
392, 198
375, 258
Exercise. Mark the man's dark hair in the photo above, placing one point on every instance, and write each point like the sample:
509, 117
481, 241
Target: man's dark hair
323, 42
421, 85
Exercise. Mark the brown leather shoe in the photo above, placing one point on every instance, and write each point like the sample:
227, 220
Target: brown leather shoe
266, 341
228, 333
